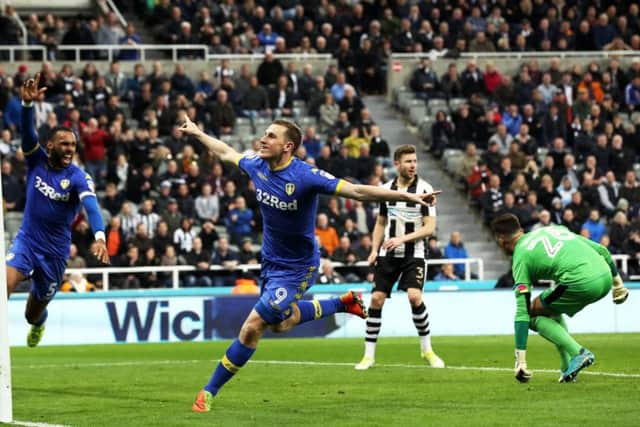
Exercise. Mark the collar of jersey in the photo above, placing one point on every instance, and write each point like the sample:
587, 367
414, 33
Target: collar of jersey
283, 167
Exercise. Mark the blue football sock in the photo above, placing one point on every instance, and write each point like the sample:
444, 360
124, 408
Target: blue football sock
235, 358
317, 309
43, 318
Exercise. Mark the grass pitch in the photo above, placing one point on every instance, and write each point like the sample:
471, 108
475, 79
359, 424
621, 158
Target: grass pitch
311, 382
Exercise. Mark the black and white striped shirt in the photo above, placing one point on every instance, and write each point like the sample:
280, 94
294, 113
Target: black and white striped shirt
404, 218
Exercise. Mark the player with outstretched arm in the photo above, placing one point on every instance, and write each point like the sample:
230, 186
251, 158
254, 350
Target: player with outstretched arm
582, 272
56, 188
287, 191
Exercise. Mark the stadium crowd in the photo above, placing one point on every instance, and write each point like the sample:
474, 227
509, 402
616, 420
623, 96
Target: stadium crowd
127, 120
548, 144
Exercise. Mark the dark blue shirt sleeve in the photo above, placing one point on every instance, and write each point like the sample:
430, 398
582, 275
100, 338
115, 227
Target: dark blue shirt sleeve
322, 182
29, 136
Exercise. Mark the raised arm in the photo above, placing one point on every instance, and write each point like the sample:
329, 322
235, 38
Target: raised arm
29, 92
372, 193
214, 145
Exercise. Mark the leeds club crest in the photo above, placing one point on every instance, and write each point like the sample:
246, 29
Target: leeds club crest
289, 188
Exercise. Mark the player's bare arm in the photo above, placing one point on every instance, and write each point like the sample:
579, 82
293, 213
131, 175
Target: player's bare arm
214, 145
427, 229
372, 193
377, 237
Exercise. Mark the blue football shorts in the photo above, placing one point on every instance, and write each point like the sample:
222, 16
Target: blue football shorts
282, 287
46, 272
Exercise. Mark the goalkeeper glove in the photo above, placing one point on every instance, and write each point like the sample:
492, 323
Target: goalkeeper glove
522, 373
618, 291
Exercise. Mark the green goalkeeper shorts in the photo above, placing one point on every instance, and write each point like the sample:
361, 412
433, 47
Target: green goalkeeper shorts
570, 299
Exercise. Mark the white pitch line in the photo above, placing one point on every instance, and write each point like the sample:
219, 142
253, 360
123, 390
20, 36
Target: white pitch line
309, 363
30, 424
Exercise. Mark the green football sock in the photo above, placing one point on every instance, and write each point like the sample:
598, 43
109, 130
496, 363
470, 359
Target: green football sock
564, 356
553, 331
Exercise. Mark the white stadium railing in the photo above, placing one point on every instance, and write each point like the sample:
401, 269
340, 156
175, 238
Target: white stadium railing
113, 50
12, 49
175, 270
596, 54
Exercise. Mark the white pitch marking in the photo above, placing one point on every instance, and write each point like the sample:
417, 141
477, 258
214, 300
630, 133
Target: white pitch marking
30, 424
308, 363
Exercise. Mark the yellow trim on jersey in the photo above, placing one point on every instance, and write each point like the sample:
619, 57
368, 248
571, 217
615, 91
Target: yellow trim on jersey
318, 308
279, 168
33, 150
237, 160
229, 365
339, 186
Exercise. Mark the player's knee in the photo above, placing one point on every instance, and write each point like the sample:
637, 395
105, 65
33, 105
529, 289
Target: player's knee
377, 300
251, 331
415, 300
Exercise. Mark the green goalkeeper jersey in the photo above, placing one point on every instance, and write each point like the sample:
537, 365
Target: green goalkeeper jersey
553, 253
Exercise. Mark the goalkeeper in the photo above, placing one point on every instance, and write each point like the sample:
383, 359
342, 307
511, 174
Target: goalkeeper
582, 273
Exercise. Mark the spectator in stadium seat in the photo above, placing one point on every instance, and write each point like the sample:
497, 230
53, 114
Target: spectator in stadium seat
424, 81
186, 204
239, 221
12, 189
630, 190
328, 113
200, 258
446, 274
450, 83
619, 232
547, 88
352, 104
608, 191
223, 117
328, 276
472, 79
506, 173
326, 233
281, 98
161, 237
569, 220
225, 257
502, 138
491, 200
603, 32
492, 78
481, 43
512, 119
311, 142
181, 83
593, 226
323, 161
269, 70
365, 163
455, 249
516, 156
492, 156
478, 180
544, 220
442, 134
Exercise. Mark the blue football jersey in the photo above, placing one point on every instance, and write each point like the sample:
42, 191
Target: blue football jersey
288, 200
53, 201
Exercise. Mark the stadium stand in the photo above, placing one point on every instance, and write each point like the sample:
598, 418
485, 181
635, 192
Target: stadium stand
125, 108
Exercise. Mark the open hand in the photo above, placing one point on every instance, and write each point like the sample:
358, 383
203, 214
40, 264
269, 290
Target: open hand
189, 128
425, 199
29, 90
100, 252
392, 243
